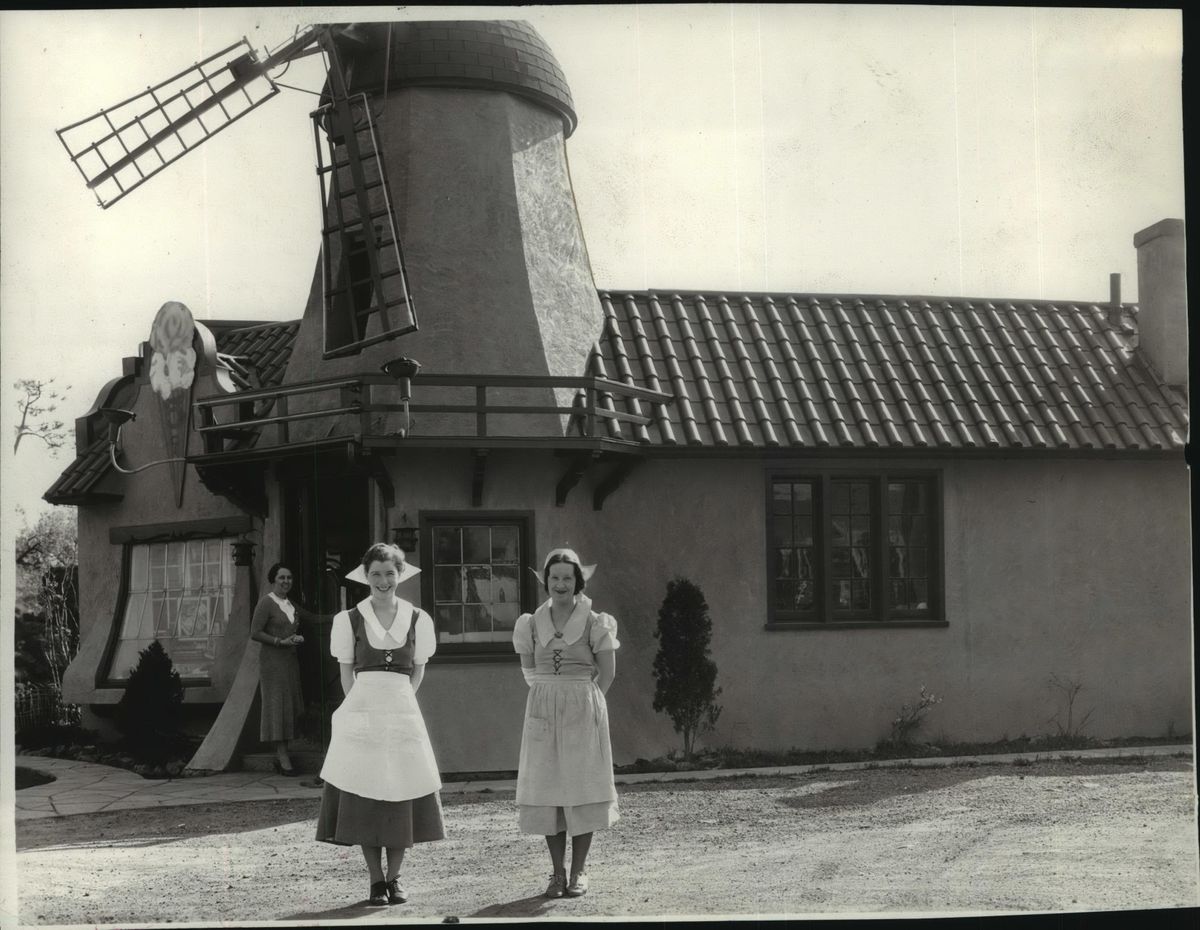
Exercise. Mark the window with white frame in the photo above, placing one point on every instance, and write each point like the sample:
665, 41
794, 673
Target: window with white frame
180, 593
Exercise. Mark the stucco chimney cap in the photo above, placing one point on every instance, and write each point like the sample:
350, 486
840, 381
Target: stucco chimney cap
1167, 227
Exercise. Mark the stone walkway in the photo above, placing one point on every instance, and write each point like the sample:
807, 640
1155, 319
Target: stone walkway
87, 788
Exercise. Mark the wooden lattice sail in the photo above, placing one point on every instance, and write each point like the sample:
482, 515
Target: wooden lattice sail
365, 287
118, 149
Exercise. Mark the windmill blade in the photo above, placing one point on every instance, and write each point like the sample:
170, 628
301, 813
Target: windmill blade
123, 146
366, 293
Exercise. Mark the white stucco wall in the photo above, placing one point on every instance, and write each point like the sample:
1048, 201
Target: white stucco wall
1075, 568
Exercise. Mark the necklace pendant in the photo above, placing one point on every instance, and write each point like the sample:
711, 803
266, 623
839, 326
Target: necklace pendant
558, 634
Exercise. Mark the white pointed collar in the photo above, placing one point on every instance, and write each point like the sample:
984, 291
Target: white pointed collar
288, 608
399, 631
573, 628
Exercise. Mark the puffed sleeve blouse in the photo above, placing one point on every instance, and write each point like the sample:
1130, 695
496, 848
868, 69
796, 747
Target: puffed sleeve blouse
523, 635
601, 638
341, 637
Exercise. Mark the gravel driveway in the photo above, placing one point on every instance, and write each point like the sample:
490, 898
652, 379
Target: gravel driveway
1046, 836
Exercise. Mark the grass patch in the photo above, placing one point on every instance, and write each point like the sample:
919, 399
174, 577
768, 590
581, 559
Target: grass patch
733, 758
29, 778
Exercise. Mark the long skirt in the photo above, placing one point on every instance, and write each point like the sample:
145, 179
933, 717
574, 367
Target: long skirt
565, 775
352, 820
282, 700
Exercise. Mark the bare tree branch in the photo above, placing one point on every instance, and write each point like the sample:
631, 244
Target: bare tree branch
37, 402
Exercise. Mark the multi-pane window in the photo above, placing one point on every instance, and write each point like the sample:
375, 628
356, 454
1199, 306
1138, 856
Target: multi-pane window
910, 535
853, 548
794, 544
477, 584
179, 593
850, 544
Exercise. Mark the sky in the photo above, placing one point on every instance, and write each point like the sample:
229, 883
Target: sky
957, 151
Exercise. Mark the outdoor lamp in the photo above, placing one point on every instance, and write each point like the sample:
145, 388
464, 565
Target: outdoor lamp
116, 417
403, 369
405, 535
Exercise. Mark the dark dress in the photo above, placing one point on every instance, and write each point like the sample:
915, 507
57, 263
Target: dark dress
278, 671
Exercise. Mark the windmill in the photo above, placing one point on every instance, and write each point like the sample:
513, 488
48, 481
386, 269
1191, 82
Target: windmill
366, 293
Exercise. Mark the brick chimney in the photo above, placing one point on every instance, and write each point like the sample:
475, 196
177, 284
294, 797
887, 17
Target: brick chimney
1162, 300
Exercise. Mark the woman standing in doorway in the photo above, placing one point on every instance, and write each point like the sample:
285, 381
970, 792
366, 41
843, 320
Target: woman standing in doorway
381, 778
565, 777
276, 624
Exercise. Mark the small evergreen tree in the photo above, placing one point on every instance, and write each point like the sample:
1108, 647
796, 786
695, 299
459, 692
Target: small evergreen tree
685, 676
150, 710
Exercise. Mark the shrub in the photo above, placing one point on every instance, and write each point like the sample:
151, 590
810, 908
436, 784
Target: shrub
685, 675
41, 735
150, 710
1069, 689
909, 719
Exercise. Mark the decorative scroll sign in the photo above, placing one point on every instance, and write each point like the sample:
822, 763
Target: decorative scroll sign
172, 372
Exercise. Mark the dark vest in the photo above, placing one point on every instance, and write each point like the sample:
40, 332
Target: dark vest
369, 659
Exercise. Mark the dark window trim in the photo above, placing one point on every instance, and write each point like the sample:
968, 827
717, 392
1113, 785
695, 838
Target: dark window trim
103, 677
464, 653
823, 617
234, 525
820, 533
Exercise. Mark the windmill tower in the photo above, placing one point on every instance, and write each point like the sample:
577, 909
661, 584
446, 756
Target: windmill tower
446, 137
471, 119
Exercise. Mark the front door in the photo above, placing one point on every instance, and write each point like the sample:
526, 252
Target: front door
326, 526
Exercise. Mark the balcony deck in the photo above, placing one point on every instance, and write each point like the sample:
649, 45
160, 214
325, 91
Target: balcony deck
263, 422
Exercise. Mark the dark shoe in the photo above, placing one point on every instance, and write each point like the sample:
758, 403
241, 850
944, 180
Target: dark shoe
557, 886
395, 894
290, 773
379, 894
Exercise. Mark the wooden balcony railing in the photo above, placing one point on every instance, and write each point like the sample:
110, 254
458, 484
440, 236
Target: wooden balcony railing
230, 417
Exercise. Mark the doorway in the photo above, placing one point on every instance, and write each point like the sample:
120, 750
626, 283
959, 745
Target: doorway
326, 527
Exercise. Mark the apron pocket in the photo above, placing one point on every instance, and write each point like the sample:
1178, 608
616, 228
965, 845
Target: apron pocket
353, 724
537, 728
403, 729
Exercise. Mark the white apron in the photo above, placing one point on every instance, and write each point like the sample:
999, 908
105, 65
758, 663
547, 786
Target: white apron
379, 747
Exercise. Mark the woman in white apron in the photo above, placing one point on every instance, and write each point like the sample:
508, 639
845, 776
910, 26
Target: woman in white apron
565, 776
381, 778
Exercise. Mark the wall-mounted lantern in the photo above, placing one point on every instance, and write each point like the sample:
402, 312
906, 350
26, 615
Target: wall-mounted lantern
243, 552
405, 535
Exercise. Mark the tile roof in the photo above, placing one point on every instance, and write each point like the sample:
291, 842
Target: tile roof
256, 355
263, 349
820, 371
75, 484
508, 55
867, 372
